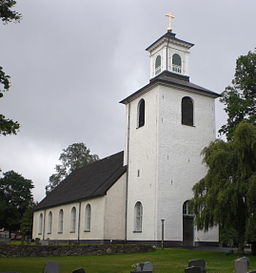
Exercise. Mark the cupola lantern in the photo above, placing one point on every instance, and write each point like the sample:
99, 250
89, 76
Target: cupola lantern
169, 53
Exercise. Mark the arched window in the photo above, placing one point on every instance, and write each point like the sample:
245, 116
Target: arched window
50, 222
187, 111
158, 65
141, 113
40, 230
88, 211
138, 214
73, 220
176, 63
61, 214
186, 209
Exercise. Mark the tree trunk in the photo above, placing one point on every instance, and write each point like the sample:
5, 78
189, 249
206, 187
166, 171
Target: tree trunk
241, 248
254, 248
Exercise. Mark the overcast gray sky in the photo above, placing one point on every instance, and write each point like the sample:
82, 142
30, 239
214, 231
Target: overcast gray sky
72, 61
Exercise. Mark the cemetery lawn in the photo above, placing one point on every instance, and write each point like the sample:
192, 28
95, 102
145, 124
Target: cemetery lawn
164, 261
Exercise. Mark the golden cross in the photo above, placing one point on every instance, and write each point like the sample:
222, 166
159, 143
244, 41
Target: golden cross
170, 17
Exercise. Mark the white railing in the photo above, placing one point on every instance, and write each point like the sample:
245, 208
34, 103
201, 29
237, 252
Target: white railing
157, 70
176, 68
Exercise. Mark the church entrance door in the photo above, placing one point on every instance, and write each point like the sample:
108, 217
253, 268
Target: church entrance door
188, 225
188, 230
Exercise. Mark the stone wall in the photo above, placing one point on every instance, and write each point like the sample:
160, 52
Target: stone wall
43, 251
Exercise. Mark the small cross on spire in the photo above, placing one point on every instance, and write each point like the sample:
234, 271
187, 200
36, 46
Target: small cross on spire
170, 17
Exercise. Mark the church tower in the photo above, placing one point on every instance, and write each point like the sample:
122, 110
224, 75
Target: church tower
169, 121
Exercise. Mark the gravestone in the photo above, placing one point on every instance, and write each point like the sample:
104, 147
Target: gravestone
44, 242
51, 267
79, 270
241, 265
197, 263
146, 267
193, 269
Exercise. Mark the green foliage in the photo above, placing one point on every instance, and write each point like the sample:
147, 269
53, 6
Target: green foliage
226, 196
15, 198
7, 126
229, 237
4, 81
240, 98
6, 14
74, 157
27, 221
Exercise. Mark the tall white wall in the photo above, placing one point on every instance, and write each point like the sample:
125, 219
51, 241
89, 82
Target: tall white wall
167, 155
143, 159
180, 161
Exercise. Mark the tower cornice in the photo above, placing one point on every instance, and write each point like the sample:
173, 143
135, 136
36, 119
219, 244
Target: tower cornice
169, 36
172, 80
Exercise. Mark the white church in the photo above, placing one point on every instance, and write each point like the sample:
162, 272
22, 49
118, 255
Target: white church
140, 195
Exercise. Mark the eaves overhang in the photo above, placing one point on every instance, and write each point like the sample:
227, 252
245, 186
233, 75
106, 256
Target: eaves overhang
167, 79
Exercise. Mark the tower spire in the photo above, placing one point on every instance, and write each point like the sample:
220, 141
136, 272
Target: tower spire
170, 17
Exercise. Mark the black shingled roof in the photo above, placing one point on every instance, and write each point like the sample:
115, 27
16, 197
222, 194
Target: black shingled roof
171, 79
87, 182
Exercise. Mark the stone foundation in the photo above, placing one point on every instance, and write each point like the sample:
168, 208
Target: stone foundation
88, 250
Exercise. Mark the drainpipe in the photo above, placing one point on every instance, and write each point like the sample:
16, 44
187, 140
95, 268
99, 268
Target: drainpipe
162, 242
127, 174
78, 229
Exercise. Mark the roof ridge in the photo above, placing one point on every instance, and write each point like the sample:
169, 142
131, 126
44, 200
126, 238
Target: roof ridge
101, 159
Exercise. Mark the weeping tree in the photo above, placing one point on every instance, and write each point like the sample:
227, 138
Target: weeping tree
226, 196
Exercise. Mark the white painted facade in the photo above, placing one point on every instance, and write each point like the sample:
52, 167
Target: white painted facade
167, 156
163, 159
107, 218
164, 156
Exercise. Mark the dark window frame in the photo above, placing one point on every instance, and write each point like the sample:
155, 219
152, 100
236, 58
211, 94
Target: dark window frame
141, 113
187, 111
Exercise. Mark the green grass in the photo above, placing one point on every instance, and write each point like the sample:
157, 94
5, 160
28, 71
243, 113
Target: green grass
19, 242
164, 261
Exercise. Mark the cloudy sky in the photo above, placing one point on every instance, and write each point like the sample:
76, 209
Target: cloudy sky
72, 61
